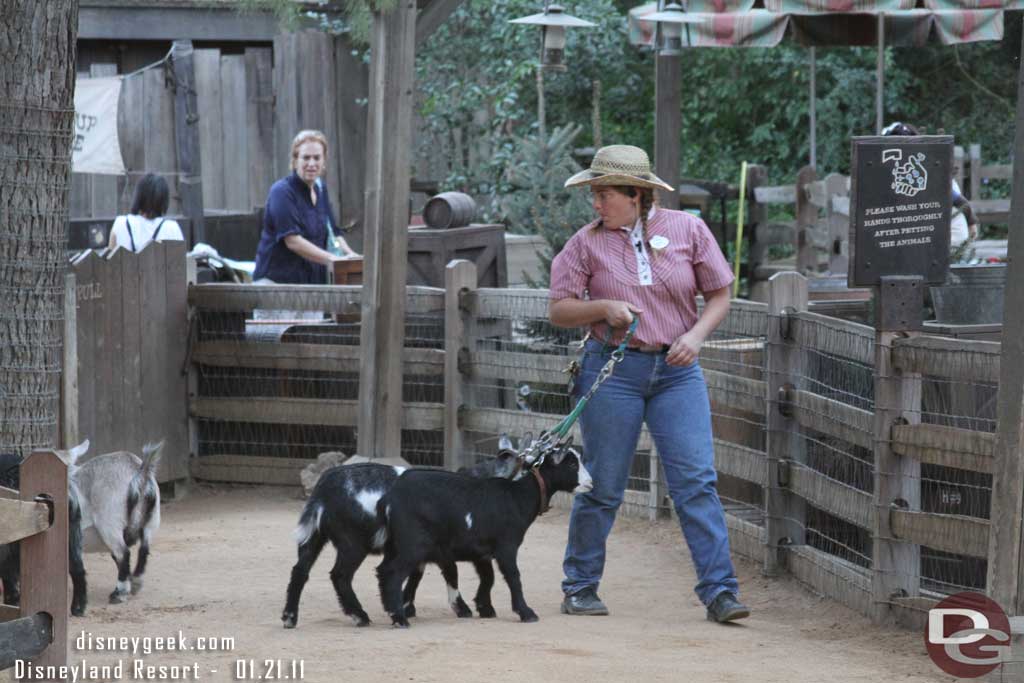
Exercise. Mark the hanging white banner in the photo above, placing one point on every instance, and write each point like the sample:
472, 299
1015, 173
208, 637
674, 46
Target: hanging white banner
95, 148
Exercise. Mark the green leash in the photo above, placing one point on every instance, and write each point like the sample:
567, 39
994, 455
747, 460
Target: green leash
561, 430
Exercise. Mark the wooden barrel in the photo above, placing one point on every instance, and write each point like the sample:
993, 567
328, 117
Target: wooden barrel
449, 210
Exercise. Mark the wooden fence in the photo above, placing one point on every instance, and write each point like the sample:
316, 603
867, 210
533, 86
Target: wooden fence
36, 516
821, 425
126, 327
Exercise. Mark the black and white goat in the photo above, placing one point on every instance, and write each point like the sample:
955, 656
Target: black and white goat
447, 517
120, 502
343, 510
10, 553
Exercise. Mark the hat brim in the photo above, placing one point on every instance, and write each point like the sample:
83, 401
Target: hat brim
589, 177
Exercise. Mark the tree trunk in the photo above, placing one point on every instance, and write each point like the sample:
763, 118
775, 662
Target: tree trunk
37, 79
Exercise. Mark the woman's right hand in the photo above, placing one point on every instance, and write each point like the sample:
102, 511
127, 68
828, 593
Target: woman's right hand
619, 313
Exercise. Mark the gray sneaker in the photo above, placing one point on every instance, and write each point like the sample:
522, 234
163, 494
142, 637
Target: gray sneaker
584, 602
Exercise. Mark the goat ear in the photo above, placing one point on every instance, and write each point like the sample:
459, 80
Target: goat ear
504, 443
526, 441
78, 451
507, 454
558, 456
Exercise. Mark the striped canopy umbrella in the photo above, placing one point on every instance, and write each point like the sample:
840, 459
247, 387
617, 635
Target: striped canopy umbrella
766, 23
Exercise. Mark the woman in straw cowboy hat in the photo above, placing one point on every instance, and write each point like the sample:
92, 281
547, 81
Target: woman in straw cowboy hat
641, 259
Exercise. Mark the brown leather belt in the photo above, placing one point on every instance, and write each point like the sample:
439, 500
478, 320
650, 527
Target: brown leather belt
650, 348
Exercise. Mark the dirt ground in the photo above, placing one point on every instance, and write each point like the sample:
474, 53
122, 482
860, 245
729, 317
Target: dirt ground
222, 559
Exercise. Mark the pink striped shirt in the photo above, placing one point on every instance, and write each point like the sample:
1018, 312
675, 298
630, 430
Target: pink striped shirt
602, 264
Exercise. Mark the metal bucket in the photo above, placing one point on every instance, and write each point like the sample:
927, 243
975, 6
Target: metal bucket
968, 304
449, 210
990, 275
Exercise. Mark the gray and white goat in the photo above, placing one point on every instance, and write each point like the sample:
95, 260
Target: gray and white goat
120, 502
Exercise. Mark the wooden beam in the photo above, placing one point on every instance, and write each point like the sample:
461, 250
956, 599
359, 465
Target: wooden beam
328, 298
393, 50
186, 139
668, 124
319, 357
962, 360
171, 23
309, 411
950, 533
249, 469
19, 519
834, 497
834, 418
1006, 542
896, 560
435, 13
806, 223
963, 449
777, 194
826, 574
459, 280
841, 338
785, 513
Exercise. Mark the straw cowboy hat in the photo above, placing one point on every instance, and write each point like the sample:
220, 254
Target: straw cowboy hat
619, 165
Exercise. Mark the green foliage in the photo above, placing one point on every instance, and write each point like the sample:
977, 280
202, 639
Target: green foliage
536, 200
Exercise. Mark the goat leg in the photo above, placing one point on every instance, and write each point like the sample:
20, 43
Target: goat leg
409, 592
308, 553
123, 588
451, 577
485, 570
341, 577
506, 558
391, 574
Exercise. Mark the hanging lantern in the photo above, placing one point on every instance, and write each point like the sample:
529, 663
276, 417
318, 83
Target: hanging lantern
553, 22
670, 21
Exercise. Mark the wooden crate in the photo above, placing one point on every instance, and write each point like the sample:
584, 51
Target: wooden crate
431, 250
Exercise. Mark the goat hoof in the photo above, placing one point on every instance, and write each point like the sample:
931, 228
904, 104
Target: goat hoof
399, 622
360, 620
117, 598
410, 611
78, 610
289, 620
486, 611
136, 584
462, 610
528, 616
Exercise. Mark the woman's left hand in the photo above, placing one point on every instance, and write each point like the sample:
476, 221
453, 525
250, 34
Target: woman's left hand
684, 349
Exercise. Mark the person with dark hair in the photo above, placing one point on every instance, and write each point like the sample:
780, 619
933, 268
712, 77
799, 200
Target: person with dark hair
298, 223
639, 259
145, 221
963, 224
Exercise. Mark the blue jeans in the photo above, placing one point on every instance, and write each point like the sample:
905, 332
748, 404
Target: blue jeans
673, 401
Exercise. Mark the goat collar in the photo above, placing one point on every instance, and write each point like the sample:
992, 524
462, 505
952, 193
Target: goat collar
543, 506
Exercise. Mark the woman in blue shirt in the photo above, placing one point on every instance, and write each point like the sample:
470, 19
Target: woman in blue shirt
293, 246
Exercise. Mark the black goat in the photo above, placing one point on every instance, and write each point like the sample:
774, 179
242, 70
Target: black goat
10, 554
445, 517
343, 509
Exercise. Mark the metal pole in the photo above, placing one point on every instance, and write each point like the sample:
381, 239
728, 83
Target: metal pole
880, 75
814, 110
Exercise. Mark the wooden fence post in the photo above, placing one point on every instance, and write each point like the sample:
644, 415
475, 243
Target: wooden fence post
44, 557
186, 136
460, 280
785, 513
838, 223
389, 144
1006, 538
668, 124
974, 169
895, 564
806, 222
757, 214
